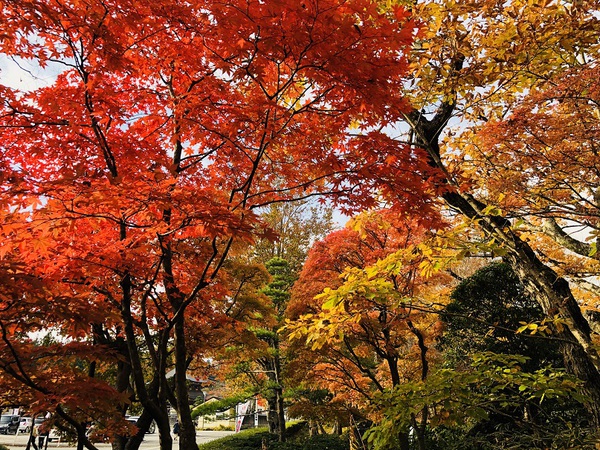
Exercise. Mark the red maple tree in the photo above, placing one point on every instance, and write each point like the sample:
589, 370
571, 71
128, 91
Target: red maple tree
130, 179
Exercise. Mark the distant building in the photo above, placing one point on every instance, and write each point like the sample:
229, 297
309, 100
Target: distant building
195, 386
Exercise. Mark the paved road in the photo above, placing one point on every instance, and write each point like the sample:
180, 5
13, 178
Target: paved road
150, 441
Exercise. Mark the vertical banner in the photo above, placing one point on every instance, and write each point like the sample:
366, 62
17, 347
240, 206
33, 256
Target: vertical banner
241, 413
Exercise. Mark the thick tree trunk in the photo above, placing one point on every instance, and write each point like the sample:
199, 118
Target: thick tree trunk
551, 292
150, 395
554, 295
187, 429
404, 441
164, 437
122, 385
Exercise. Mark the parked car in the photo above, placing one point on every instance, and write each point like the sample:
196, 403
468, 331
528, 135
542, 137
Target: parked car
134, 419
9, 424
25, 425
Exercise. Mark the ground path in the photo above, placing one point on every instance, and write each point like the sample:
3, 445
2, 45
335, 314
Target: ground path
150, 441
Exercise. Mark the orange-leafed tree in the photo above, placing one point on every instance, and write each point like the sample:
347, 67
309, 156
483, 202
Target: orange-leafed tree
46, 367
541, 163
132, 176
366, 331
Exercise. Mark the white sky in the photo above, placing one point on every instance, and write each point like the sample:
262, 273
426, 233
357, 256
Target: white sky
26, 75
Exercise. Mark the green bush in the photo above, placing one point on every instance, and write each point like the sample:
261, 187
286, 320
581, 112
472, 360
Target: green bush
4, 447
253, 439
245, 440
296, 429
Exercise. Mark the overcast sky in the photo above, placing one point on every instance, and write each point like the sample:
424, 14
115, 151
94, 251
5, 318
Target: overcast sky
26, 74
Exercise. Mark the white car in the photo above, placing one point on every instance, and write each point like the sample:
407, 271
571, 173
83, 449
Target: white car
134, 419
25, 424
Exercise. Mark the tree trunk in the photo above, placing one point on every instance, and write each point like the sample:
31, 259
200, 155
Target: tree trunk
150, 395
164, 435
144, 423
29, 441
550, 291
404, 441
554, 295
272, 414
420, 430
187, 429
276, 412
280, 414
122, 385
279, 404
313, 428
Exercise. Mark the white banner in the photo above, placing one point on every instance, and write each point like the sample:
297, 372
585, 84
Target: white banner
241, 413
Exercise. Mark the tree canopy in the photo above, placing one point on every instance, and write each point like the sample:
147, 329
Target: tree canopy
133, 176
135, 182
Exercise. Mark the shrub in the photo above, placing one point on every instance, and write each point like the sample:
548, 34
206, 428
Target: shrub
295, 429
245, 440
253, 439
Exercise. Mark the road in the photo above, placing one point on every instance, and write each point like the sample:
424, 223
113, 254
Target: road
150, 441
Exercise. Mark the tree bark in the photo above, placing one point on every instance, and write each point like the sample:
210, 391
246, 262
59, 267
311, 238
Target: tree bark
279, 404
274, 395
187, 429
404, 441
280, 414
272, 414
550, 291
275, 413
